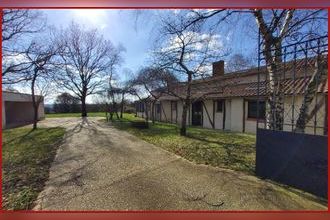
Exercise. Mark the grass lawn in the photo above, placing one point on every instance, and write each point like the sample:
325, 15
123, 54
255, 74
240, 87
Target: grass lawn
230, 150
63, 115
26, 159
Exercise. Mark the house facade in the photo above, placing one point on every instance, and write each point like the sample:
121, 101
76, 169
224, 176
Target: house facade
230, 101
17, 109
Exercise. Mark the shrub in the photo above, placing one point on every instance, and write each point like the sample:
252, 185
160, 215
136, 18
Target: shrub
140, 124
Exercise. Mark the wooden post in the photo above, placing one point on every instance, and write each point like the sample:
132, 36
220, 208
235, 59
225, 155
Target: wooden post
171, 111
224, 115
189, 114
160, 112
176, 113
213, 114
243, 115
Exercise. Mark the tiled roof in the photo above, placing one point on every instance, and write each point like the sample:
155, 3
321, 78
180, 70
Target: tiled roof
245, 83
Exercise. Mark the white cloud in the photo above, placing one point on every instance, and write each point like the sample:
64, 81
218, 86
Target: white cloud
196, 42
14, 58
201, 49
92, 17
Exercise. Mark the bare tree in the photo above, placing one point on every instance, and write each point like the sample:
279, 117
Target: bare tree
115, 95
17, 24
155, 81
238, 62
137, 90
126, 89
187, 51
87, 58
38, 74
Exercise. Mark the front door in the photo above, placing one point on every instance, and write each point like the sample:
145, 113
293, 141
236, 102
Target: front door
197, 113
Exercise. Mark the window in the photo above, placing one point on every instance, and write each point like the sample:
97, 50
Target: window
252, 109
219, 105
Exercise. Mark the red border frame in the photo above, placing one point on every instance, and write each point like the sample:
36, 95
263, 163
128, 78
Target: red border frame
163, 4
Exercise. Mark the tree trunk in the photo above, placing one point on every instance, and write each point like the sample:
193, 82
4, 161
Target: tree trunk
273, 58
309, 95
121, 111
274, 111
117, 115
83, 106
183, 129
34, 102
122, 106
186, 104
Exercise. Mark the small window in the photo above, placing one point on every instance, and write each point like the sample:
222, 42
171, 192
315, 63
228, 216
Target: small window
219, 105
252, 109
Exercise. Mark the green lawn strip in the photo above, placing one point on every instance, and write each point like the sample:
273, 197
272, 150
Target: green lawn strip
230, 150
64, 115
26, 158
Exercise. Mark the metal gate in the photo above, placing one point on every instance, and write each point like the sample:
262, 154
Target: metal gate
299, 61
292, 149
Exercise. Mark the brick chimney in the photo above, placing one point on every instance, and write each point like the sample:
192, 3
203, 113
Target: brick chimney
218, 68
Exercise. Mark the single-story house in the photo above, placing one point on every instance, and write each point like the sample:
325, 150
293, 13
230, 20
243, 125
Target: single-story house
228, 101
17, 109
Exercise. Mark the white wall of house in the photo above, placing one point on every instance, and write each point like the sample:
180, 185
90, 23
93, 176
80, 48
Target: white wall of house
228, 115
207, 114
179, 114
180, 107
174, 112
320, 116
250, 124
218, 115
236, 118
166, 111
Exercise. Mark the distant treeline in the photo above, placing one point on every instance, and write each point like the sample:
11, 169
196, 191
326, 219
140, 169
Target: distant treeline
76, 108
66, 103
73, 108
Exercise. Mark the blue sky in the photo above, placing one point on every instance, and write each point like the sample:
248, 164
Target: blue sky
118, 26
121, 27
137, 32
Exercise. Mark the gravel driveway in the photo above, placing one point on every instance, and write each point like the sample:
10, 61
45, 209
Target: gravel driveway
101, 168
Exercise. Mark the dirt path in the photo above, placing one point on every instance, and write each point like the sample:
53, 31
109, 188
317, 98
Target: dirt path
101, 168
